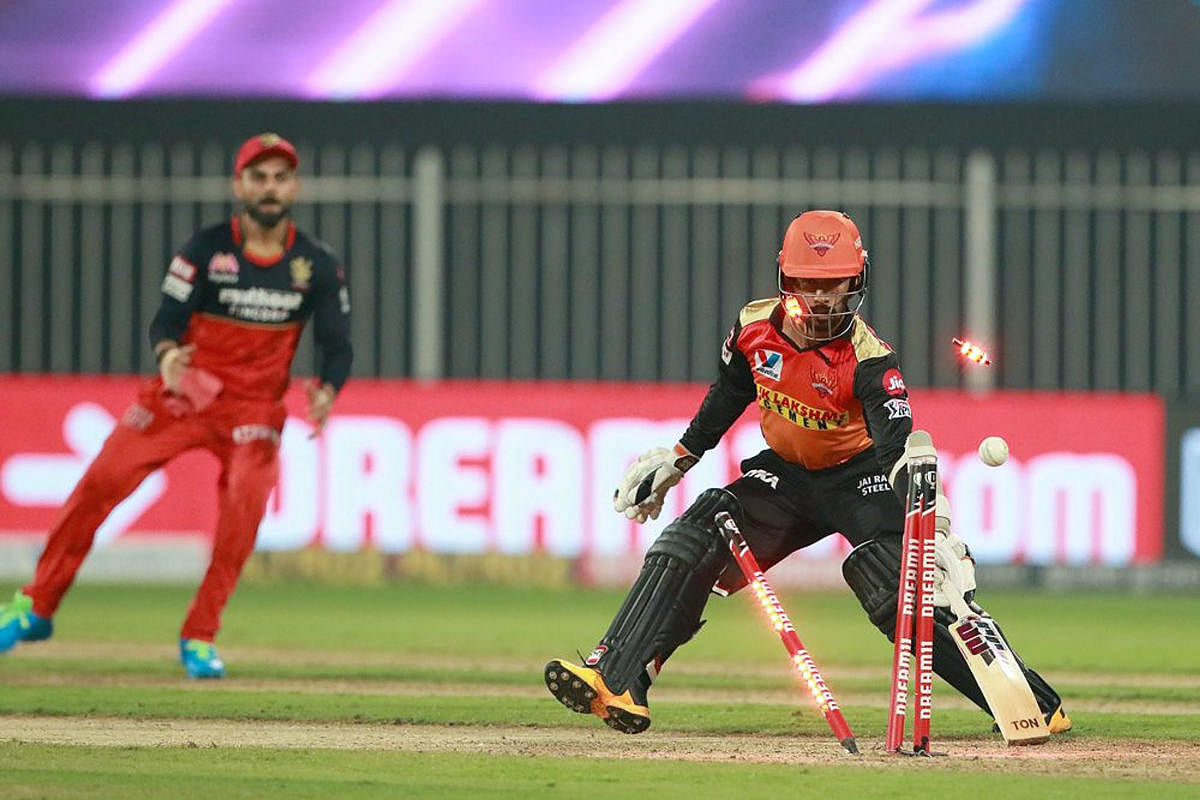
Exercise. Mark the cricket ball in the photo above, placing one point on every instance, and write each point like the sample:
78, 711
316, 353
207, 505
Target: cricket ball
993, 451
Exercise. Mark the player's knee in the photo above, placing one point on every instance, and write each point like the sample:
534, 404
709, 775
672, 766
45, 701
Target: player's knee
695, 535
872, 570
709, 503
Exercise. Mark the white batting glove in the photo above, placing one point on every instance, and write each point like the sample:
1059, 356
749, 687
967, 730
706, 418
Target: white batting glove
640, 493
955, 574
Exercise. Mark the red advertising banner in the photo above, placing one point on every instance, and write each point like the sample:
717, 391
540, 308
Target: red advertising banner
520, 467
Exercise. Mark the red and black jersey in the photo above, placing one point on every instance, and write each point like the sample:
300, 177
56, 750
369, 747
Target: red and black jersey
245, 315
818, 406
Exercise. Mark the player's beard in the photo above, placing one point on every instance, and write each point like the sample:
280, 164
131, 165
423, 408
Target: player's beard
826, 323
267, 219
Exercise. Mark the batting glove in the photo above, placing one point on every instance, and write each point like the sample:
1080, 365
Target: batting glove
640, 493
955, 572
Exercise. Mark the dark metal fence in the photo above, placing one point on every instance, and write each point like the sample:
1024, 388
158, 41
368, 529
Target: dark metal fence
1078, 265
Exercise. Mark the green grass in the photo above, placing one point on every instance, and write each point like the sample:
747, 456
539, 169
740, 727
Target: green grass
498, 637
1078, 632
132, 773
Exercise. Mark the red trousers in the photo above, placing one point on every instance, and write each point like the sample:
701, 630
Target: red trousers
242, 434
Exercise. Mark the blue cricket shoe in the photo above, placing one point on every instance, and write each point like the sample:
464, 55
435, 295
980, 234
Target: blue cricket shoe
18, 623
200, 659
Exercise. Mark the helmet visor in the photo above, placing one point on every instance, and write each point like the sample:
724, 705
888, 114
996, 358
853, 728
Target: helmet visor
822, 308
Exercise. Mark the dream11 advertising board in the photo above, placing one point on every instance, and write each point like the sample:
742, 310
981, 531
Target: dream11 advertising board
474, 467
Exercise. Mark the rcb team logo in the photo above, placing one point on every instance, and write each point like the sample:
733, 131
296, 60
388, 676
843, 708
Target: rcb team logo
301, 272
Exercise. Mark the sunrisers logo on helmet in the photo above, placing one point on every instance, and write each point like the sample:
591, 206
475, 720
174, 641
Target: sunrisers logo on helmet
822, 243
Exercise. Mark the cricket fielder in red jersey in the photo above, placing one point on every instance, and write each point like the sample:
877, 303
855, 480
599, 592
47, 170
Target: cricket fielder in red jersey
835, 414
235, 300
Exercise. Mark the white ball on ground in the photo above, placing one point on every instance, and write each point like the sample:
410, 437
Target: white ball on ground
993, 451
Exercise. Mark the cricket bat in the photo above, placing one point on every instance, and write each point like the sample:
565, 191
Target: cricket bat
999, 675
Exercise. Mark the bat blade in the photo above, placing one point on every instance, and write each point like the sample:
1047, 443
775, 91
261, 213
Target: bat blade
1001, 679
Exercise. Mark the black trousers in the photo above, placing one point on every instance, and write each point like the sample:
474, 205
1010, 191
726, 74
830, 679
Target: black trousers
788, 508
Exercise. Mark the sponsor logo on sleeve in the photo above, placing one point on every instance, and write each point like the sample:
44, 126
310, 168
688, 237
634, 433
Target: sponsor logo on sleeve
176, 287
182, 269
727, 348
769, 364
898, 408
893, 383
223, 268
768, 478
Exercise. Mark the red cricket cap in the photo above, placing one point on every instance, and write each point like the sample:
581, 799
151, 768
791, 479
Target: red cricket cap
262, 146
822, 244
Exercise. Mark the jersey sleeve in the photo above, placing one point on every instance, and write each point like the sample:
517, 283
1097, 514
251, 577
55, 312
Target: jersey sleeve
331, 324
880, 388
182, 291
725, 401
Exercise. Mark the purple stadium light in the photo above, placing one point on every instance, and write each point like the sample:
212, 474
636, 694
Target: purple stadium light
884, 35
950, 30
617, 48
154, 45
389, 42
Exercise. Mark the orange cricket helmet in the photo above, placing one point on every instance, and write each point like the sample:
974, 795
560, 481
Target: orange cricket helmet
822, 273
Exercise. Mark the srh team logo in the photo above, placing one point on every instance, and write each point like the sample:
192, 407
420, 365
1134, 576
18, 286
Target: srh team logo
223, 268
822, 243
893, 383
769, 364
823, 382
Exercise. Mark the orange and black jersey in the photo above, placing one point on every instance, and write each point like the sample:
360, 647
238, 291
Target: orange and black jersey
245, 315
818, 406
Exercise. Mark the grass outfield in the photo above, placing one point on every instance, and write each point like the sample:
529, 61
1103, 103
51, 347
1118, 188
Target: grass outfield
420, 691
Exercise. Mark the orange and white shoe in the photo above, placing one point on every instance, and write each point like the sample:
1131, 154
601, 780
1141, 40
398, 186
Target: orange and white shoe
582, 689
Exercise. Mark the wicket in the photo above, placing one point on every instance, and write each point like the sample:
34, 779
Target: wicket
914, 612
782, 624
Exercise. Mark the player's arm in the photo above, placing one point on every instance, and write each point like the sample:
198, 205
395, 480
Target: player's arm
331, 331
725, 401
182, 289
880, 388
641, 491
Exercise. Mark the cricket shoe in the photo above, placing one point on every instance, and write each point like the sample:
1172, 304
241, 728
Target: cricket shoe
1058, 722
18, 623
200, 659
582, 689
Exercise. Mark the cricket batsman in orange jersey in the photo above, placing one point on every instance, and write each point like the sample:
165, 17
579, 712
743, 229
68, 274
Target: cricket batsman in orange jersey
835, 414
235, 300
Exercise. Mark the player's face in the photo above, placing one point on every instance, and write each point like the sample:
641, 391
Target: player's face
820, 307
267, 189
